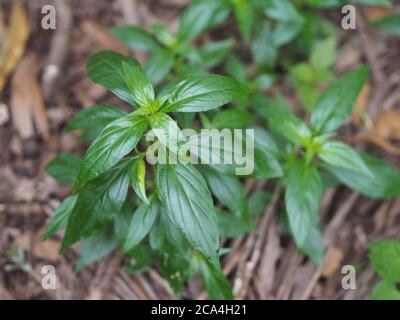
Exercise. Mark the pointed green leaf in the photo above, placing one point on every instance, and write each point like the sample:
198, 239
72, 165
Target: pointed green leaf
114, 142
202, 93
302, 199
384, 257
138, 177
189, 205
64, 167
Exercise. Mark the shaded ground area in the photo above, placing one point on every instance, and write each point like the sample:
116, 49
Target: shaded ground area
263, 264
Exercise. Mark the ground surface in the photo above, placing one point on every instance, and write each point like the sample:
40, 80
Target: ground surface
263, 264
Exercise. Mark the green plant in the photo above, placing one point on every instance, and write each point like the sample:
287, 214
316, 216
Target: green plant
174, 55
311, 159
384, 257
171, 219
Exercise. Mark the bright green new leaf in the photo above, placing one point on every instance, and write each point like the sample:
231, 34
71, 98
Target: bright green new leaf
324, 53
138, 176
384, 257
114, 142
245, 17
202, 93
189, 206
302, 198
64, 167
384, 290
336, 103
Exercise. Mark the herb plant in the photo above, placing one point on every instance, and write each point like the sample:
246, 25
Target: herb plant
384, 257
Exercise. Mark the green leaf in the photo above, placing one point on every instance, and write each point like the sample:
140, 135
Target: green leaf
384, 257
142, 257
324, 54
285, 31
64, 167
340, 155
96, 247
229, 191
212, 53
200, 16
302, 199
313, 246
134, 37
114, 142
336, 103
122, 75
230, 225
390, 23
140, 224
383, 183
123, 218
97, 204
282, 10
231, 119
236, 68
258, 201
264, 53
159, 65
99, 115
289, 126
216, 284
385, 3
203, 93
138, 176
245, 16
385, 291
189, 205
61, 215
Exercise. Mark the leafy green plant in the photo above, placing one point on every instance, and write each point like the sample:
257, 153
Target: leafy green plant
309, 77
171, 217
309, 154
384, 257
174, 55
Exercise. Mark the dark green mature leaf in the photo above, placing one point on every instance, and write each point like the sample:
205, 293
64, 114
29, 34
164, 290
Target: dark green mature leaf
383, 183
122, 75
258, 202
229, 191
202, 93
97, 204
289, 126
385, 291
384, 257
98, 115
142, 257
60, 218
64, 167
141, 223
390, 23
302, 198
114, 142
96, 247
336, 103
159, 65
340, 155
138, 176
200, 16
189, 205
231, 119
282, 10
123, 219
135, 37
216, 284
